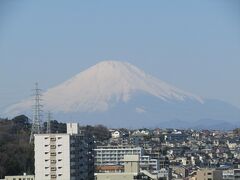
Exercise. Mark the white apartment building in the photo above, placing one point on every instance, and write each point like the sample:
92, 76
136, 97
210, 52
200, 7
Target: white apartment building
231, 174
64, 156
149, 164
114, 155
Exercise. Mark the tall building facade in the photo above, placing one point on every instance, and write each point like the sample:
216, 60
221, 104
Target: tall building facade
114, 155
64, 156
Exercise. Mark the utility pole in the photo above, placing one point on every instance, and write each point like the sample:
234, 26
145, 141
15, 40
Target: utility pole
37, 108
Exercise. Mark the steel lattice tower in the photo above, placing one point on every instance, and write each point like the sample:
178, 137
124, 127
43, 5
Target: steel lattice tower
36, 123
49, 122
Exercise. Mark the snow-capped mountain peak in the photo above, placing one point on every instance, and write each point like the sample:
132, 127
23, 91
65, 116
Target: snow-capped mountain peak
102, 86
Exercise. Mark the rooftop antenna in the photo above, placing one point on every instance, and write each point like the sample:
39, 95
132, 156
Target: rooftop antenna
49, 122
36, 123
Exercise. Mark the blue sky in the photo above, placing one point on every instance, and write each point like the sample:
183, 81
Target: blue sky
194, 45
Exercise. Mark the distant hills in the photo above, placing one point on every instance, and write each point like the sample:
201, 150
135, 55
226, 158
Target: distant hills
118, 94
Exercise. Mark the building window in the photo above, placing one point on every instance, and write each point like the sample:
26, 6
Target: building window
53, 176
53, 168
53, 139
53, 161
53, 147
53, 154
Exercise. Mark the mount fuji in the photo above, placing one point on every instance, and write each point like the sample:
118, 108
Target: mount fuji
119, 94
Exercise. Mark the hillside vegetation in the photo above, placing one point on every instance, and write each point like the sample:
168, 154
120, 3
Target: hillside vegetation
17, 155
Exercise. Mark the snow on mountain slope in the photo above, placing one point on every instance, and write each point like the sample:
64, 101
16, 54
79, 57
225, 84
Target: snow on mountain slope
101, 87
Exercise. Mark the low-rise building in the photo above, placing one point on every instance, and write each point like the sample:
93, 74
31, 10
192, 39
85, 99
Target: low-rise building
231, 174
20, 177
209, 174
114, 155
131, 170
116, 134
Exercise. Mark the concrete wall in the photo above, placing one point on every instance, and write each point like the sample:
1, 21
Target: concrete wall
131, 163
